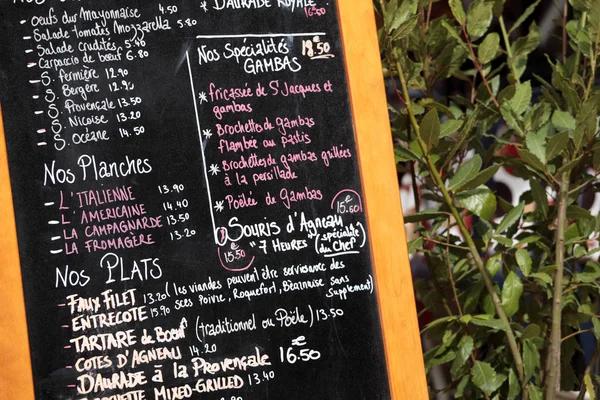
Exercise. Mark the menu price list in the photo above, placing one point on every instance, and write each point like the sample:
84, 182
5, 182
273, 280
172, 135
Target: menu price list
189, 209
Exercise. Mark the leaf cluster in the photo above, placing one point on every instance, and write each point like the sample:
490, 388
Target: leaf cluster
497, 267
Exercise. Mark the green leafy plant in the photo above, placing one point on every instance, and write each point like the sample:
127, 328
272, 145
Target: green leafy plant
510, 294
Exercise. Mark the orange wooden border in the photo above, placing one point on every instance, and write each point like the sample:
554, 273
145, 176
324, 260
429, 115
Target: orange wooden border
16, 381
382, 201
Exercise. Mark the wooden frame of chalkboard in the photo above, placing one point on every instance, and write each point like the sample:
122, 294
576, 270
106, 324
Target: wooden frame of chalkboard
384, 219
386, 224
15, 378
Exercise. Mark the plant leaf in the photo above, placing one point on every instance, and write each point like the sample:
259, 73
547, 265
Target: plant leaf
486, 378
569, 93
557, 144
424, 215
447, 357
482, 177
394, 16
532, 238
540, 113
535, 393
530, 159
397, 14
465, 348
522, 98
524, 261
589, 385
543, 277
389, 12
596, 159
489, 48
454, 33
514, 388
540, 197
523, 46
568, 166
576, 212
462, 385
465, 173
536, 143
403, 154
528, 11
479, 18
439, 321
430, 129
506, 94
574, 232
472, 298
563, 120
449, 127
405, 28
510, 218
531, 332
487, 321
504, 241
590, 273
586, 121
451, 113
480, 201
511, 119
596, 325
457, 10
531, 358
594, 25
511, 294
415, 245
581, 5
493, 264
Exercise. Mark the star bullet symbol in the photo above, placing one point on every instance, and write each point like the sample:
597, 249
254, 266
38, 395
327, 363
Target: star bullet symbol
207, 133
214, 169
204, 6
220, 206
202, 97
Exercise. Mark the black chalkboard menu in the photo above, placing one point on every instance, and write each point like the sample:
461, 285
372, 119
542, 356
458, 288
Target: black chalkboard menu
188, 204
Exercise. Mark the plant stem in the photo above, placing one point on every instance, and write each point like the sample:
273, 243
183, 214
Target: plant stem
552, 384
576, 333
413, 172
593, 61
451, 276
588, 371
578, 53
446, 244
478, 66
512, 342
428, 15
411, 164
509, 53
564, 30
458, 306
584, 184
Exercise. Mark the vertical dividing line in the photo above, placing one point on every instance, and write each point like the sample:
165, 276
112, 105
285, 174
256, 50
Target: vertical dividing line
212, 216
